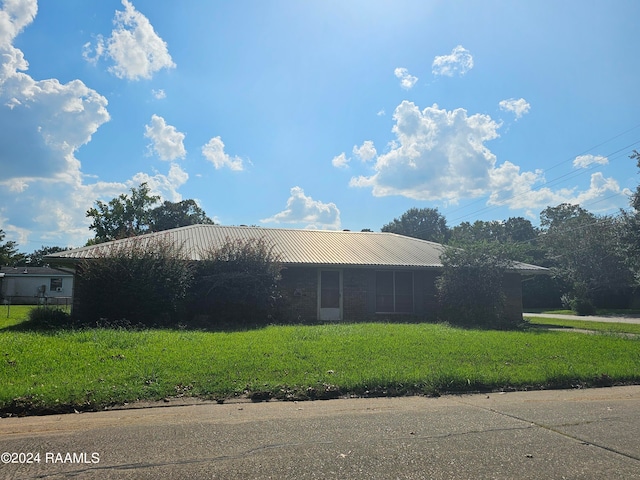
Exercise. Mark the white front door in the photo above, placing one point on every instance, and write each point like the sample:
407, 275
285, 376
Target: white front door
330, 295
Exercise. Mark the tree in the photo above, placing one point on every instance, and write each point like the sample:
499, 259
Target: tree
36, 259
585, 253
631, 229
423, 223
124, 216
180, 214
9, 251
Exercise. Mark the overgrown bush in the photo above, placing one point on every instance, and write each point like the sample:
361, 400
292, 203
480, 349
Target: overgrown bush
237, 282
48, 317
470, 288
134, 282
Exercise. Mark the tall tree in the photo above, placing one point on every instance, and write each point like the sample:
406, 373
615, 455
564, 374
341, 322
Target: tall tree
631, 231
179, 214
9, 251
584, 250
423, 223
123, 216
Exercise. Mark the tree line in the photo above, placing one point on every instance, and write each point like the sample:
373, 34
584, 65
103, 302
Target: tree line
594, 259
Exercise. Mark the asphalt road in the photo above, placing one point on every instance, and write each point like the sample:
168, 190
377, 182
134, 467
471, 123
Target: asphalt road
572, 434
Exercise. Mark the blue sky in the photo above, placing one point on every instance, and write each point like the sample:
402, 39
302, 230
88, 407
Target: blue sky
314, 114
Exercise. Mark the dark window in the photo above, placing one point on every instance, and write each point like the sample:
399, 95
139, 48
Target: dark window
55, 285
394, 292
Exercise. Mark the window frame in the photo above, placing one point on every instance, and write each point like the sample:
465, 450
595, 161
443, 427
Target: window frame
379, 305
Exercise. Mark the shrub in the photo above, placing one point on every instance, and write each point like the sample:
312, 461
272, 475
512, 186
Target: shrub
237, 282
47, 317
470, 288
134, 282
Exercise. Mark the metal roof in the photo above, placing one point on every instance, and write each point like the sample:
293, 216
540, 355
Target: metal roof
295, 247
33, 272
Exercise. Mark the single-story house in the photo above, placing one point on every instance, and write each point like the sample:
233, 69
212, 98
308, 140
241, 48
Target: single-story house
36, 285
333, 275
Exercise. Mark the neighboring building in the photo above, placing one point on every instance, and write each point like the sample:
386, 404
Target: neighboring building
333, 275
35, 285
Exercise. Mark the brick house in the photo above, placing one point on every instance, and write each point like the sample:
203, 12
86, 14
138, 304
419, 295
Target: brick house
334, 275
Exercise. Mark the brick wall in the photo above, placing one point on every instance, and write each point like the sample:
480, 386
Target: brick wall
299, 288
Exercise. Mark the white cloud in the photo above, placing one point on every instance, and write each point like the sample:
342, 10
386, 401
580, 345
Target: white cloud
340, 161
135, 48
407, 81
42, 125
159, 94
585, 161
366, 151
459, 62
518, 107
302, 209
381, 113
442, 155
214, 152
437, 155
164, 185
168, 143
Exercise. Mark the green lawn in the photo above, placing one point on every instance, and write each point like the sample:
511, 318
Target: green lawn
52, 371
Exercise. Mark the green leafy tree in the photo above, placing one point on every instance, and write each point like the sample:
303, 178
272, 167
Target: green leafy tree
177, 214
423, 223
631, 229
123, 216
9, 251
586, 253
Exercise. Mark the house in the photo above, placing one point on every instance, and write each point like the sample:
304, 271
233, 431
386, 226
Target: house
333, 275
36, 285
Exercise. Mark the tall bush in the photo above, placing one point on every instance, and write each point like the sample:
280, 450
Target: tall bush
237, 282
470, 288
134, 282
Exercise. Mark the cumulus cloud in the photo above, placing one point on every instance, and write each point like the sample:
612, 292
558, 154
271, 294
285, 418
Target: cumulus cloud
366, 151
167, 142
14, 16
302, 209
42, 125
586, 161
214, 152
407, 81
518, 107
340, 161
135, 48
437, 155
443, 155
458, 62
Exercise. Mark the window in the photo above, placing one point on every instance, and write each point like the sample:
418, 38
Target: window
394, 292
55, 285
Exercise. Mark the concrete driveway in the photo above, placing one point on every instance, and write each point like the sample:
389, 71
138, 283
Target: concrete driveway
580, 434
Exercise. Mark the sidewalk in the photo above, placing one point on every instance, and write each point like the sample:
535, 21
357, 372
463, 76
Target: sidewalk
588, 318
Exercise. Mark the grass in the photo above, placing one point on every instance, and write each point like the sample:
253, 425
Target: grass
62, 370
632, 328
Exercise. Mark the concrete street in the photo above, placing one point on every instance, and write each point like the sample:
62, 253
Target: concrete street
579, 434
